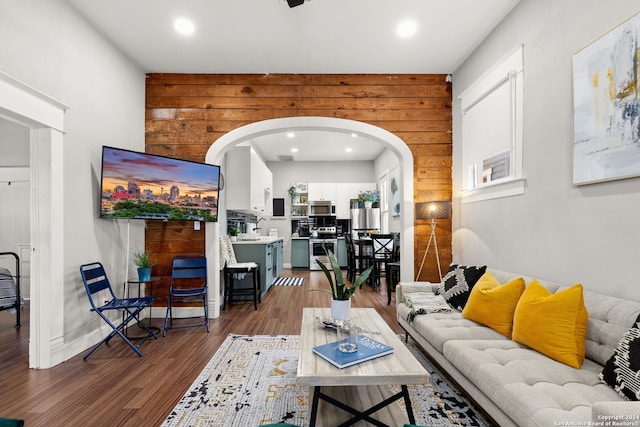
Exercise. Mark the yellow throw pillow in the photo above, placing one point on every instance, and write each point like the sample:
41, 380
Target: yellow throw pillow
493, 304
553, 324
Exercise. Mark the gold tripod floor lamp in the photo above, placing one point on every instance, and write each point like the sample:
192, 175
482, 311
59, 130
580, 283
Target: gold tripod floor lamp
433, 211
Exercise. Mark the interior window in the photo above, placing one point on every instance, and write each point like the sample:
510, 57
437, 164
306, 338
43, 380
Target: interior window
491, 110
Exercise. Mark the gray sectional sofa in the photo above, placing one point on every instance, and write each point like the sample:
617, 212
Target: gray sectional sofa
517, 386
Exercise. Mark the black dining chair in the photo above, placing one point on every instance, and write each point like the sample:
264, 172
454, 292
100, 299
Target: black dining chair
383, 249
351, 258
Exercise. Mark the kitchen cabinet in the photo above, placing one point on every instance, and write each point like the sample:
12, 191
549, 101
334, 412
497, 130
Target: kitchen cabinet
347, 191
299, 253
341, 193
343, 197
322, 191
278, 257
356, 188
249, 182
268, 254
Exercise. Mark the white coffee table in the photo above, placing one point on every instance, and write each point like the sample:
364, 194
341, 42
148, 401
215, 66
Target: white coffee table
362, 389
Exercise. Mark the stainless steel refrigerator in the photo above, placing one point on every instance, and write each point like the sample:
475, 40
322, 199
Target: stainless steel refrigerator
364, 220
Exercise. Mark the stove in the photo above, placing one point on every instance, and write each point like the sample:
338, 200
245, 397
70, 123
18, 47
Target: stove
326, 233
321, 238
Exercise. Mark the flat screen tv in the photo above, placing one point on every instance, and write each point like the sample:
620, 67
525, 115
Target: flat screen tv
147, 186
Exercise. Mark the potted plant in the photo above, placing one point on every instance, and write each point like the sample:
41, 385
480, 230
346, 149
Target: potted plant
292, 191
233, 233
368, 197
340, 292
142, 260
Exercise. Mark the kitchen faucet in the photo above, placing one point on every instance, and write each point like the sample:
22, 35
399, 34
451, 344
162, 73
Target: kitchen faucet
256, 228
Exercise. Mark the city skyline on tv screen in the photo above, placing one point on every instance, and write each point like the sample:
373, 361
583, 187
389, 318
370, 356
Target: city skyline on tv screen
146, 186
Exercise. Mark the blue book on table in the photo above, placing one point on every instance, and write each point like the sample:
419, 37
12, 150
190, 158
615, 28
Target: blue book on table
367, 349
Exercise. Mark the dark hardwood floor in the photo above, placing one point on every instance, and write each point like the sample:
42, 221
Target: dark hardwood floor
114, 387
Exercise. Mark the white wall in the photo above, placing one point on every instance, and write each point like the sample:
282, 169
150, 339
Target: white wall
556, 230
47, 45
14, 144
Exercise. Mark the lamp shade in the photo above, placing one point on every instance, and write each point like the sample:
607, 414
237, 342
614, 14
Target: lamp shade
433, 210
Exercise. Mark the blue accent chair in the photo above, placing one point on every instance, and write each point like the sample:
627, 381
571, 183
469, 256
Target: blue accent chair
188, 284
99, 289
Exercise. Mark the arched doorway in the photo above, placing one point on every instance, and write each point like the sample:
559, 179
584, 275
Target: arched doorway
215, 155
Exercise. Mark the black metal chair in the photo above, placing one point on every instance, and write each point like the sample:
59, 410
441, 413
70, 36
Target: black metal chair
99, 289
188, 285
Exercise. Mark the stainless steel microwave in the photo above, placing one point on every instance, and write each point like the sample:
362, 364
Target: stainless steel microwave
322, 208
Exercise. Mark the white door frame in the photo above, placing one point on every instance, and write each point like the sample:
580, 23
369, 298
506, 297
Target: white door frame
44, 116
215, 155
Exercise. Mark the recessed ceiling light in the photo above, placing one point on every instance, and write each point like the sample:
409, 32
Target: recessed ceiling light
184, 26
348, 149
290, 134
407, 28
294, 150
354, 135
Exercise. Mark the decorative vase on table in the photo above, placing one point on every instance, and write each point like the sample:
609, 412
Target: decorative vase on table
341, 309
144, 274
368, 205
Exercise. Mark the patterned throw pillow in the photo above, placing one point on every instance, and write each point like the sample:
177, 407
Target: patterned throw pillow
458, 282
622, 371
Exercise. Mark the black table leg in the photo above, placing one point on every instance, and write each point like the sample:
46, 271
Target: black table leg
314, 406
407, 403
360, 415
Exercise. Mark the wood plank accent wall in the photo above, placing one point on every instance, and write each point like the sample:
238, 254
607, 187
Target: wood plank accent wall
186, 113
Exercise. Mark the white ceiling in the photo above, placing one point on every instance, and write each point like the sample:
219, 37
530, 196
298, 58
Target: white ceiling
313, 145
320, 36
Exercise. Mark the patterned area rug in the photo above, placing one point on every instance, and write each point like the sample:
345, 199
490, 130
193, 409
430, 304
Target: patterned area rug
288, 281
251, 380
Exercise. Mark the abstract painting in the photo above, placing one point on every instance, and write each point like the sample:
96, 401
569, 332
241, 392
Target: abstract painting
606, 107
395, 191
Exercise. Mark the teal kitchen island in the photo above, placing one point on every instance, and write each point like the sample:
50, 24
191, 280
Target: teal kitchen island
266, 251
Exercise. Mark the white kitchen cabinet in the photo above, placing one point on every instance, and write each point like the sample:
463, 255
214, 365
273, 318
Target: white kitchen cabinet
322, 191
358, 187
249, 182
343, 195
351, 191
